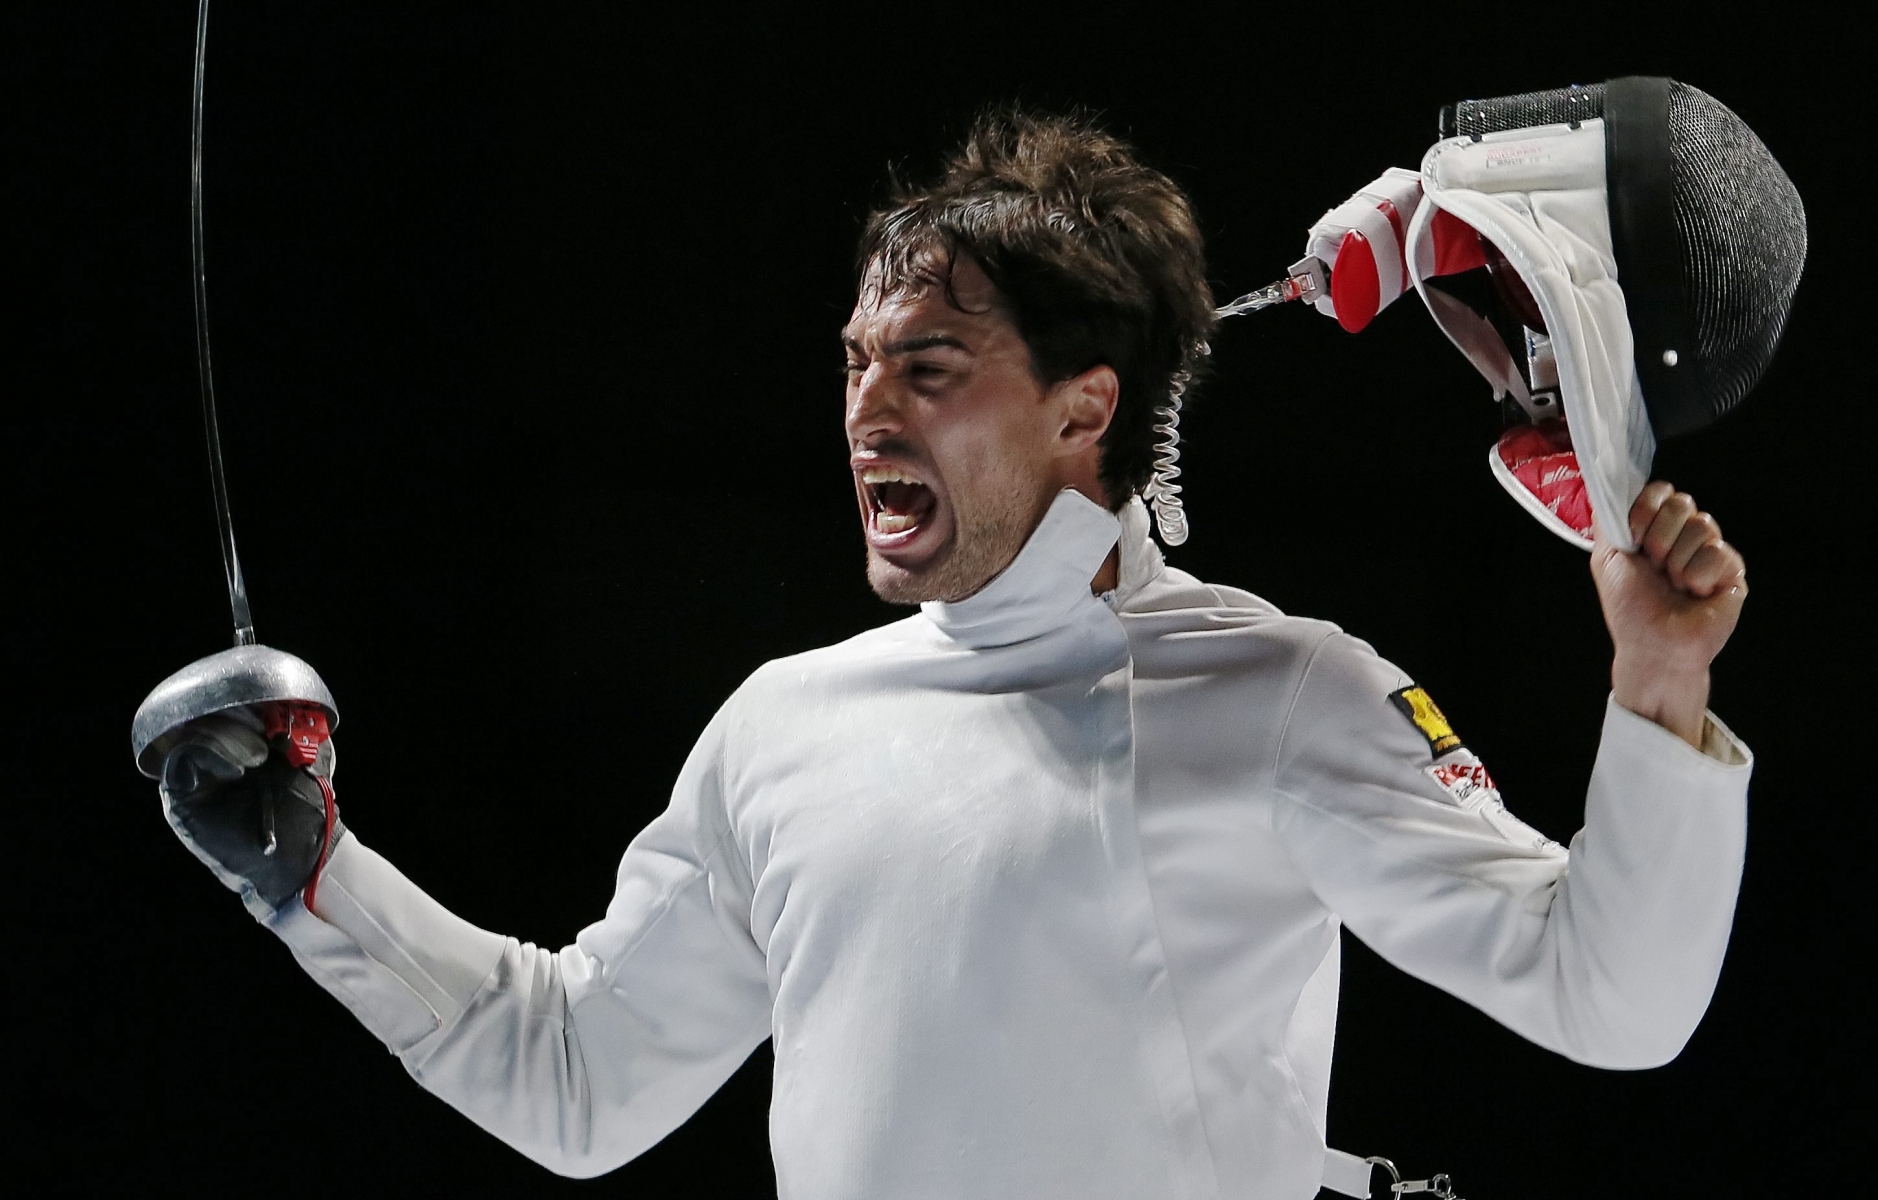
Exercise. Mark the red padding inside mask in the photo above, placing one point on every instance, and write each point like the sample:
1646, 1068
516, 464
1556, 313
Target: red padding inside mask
1457, 246
1540, 460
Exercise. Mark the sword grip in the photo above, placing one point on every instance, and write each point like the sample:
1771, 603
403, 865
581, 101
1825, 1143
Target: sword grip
301, 730
303, 726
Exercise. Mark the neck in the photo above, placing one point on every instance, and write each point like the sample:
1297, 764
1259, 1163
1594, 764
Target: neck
1110, 575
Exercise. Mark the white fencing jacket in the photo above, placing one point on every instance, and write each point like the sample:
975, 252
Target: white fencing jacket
1038, 896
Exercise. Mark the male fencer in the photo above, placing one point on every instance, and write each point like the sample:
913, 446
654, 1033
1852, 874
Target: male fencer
1037, 891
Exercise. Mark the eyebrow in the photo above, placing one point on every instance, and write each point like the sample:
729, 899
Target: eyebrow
912, 345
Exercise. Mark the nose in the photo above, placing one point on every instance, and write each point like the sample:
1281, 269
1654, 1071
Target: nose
873, 409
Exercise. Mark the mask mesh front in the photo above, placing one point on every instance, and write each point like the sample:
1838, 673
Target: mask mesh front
1741, 234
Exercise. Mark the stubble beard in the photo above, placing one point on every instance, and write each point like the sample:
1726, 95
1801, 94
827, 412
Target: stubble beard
985, 538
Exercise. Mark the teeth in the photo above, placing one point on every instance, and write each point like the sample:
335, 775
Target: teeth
885, 475
887, 522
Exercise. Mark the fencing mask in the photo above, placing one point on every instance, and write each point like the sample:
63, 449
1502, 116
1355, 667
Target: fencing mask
1617, 260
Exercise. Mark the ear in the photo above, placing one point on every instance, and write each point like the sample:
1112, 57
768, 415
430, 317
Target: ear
1087, 404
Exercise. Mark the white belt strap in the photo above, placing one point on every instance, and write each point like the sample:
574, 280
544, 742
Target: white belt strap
1346, 1174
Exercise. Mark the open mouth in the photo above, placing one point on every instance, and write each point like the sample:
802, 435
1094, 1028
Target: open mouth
896, 504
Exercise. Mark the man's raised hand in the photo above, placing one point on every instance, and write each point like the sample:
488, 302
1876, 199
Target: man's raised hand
1670, 607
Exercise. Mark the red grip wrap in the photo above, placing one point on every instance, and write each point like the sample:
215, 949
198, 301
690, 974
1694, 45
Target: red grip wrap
326, 841
303, 725
305, 729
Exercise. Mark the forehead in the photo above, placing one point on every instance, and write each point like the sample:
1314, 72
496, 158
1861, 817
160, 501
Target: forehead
957, 295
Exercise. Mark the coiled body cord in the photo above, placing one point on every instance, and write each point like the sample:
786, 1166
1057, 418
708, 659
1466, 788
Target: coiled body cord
1306, 280
1162, 492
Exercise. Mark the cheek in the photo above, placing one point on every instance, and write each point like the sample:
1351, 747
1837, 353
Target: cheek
992, 453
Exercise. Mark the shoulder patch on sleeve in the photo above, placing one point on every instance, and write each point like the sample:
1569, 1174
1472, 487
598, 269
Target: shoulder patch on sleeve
1465, 780
1415, 704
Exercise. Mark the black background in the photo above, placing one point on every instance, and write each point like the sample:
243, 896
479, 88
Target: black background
525, 325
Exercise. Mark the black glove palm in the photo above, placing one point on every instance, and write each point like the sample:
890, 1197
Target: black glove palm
225, 811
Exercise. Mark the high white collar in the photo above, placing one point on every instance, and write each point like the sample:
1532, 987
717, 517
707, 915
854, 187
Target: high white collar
1045, 584
1141, 558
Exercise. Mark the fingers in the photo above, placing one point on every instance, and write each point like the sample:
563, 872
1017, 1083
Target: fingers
1683, 542
1698, 531
1644, 511
192, 768
230, 735
1716, 567
1658, 537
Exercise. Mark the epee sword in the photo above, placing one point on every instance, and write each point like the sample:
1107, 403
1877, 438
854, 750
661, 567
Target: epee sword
294, 700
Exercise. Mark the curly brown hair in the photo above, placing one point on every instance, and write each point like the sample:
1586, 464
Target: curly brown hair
1097, 258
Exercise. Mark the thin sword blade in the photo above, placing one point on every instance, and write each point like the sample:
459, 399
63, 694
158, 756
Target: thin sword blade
225, 526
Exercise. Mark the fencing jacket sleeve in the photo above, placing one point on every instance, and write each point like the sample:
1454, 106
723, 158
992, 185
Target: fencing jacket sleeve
668, 988
1607, 953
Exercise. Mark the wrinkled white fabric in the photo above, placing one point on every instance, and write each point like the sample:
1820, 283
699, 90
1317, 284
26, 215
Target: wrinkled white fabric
1539, 196
1038, 895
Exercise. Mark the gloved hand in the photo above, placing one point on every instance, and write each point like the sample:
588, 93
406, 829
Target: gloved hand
225, 789
1361, 241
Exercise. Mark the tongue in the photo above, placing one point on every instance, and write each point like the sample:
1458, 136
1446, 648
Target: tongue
905, 499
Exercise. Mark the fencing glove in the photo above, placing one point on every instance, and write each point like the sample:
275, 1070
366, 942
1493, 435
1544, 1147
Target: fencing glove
230, 795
